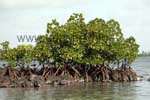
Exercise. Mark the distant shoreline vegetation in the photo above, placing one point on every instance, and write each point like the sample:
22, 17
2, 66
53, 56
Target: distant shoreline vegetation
144, 54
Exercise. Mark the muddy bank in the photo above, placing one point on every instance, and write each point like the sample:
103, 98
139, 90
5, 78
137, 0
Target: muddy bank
33, 78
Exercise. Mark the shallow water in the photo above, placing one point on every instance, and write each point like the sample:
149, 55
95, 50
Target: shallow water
91, 91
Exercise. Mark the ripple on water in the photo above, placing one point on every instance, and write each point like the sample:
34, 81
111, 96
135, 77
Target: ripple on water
91, 91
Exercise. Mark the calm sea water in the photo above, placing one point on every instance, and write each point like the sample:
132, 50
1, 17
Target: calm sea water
91, 91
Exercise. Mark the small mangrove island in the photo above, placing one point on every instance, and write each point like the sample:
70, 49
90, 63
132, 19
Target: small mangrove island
76, 51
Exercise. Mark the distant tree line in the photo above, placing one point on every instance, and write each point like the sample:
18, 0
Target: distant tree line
144, 54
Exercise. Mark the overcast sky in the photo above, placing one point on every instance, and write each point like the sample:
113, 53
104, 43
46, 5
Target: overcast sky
31, 16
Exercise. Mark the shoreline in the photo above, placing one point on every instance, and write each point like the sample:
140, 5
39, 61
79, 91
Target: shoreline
28, 78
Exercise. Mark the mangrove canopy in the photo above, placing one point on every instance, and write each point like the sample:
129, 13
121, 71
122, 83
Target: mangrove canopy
77, 48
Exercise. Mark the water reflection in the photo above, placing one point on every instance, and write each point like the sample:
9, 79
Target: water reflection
91, 91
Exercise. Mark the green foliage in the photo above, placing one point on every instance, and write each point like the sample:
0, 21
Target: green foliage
8, 54
14, 55
95, 42
91, 43
42, 49
5, 45
10, 57
24, 52
132, 49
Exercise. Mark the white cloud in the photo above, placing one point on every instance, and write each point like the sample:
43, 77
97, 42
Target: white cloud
38, 3
132, 15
